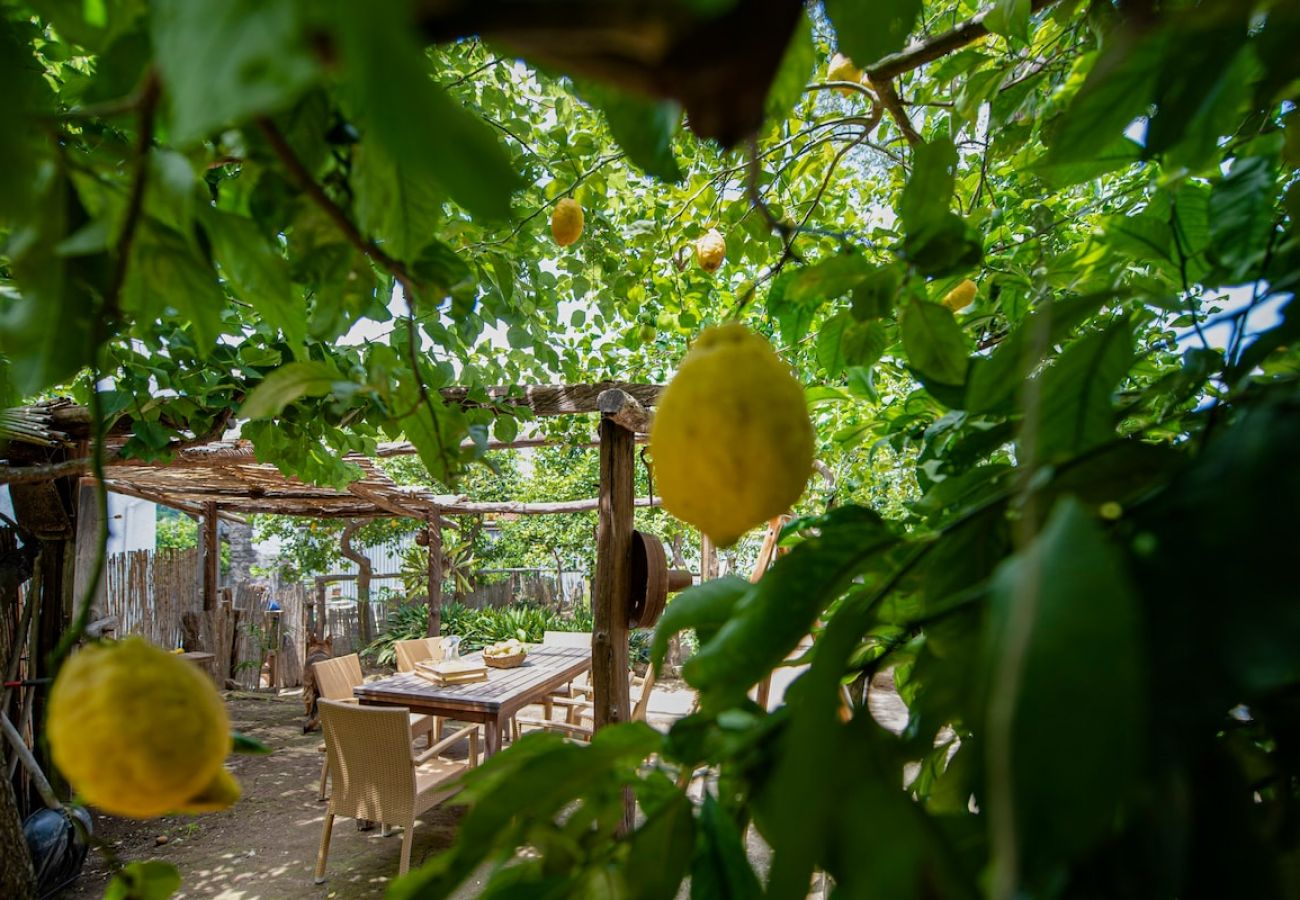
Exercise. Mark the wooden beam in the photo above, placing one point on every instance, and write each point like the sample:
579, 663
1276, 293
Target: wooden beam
621, 407
610, 592
211, 571
519, 508
549, 399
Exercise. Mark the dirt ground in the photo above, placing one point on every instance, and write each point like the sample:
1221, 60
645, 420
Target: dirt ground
265, 846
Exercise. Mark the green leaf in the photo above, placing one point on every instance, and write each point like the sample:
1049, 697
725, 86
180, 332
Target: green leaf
995, 381
659, 852
151, 880
643, 129
870, 31
943, 246
166, 271
51, 289
1052, 710
772, 617
721, 868
792, 76
794, 319
395, 206
1009, 18
25, 95
928, 193
248, 746
828, 279
257, 274
1074, 396
863, 343
829, 338
1241, 213
706, 607
875, 295
1117, 90
935, 344
424, 132
224, 62
287, 384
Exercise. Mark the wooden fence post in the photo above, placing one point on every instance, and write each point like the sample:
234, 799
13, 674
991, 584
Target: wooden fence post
211, 545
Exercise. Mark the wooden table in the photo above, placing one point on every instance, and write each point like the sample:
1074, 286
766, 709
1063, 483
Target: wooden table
491, 702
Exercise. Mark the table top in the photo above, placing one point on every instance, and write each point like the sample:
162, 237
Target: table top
506, 690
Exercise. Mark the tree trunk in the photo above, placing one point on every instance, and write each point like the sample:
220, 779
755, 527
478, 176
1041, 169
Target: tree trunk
364, 573
435, 577
16, 877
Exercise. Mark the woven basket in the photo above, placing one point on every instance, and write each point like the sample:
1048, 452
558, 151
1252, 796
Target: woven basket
504, 662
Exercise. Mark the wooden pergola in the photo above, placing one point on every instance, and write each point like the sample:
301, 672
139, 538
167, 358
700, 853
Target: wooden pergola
217, 478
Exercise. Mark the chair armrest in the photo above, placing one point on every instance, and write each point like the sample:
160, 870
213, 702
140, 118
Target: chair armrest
470, 731
552, 725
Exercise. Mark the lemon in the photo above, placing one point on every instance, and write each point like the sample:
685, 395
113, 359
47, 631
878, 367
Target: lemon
841, 68
139, 732
710, 250
222, 791
961, 296
731, 438
566, 222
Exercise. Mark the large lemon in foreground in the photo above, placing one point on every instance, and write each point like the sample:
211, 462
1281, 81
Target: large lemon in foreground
731, 439
140, 732
566, 222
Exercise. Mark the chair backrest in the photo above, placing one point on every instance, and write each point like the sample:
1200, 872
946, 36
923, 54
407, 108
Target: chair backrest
417, 650
335, 678
642, 703
372, 773
566, 639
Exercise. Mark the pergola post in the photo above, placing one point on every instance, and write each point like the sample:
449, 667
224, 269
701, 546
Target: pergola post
211, 569
621, 416
708, 558
435, 575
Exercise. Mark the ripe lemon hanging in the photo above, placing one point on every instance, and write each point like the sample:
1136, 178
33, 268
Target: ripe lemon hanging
731, 438
961, 296
139, 732
710, 250
841, 68
566, 222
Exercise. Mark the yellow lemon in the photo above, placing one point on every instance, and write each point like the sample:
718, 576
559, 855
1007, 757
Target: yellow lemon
731, 438
841, 68
961, 296
710, 250
566, 222
139, 732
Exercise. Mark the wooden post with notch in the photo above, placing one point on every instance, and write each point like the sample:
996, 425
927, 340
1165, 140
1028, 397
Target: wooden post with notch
211, 557
621, 418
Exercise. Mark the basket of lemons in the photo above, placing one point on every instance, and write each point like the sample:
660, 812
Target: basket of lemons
505, 654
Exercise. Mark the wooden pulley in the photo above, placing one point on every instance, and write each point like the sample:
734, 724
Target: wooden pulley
652, 581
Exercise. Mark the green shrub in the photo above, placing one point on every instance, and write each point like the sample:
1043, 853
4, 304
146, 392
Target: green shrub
476, 627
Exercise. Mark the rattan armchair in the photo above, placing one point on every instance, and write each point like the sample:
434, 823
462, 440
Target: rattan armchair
377, 776
579, 722
335, 679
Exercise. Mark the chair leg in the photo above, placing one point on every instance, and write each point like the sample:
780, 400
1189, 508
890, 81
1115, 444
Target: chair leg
324, 848
408, 835
324, 778
437, 730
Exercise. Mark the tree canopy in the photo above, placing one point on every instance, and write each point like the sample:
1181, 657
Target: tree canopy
1061, 514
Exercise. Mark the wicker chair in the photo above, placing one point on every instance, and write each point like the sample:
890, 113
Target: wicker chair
418, 650
578, 719
377, 776
335, 679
